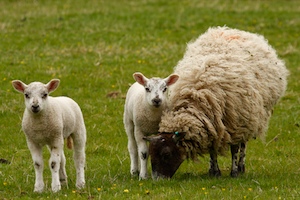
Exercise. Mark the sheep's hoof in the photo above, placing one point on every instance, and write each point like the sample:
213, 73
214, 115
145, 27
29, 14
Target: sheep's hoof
241, 169
234, 173
214, 173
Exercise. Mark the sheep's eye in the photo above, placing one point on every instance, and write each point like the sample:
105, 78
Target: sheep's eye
147, 89
44, 95
26, 95
165, 89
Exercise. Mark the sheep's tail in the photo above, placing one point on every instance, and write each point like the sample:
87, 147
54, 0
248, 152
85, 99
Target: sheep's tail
69, 142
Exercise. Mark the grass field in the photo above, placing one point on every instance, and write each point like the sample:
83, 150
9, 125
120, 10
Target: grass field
94, 47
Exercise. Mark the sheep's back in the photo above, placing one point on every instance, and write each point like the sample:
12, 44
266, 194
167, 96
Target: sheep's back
232, 79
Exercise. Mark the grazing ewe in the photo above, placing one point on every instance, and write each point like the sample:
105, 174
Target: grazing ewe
47, 121
144, 104
229, 82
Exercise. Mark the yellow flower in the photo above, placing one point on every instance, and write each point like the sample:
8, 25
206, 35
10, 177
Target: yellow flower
73, 191
223, 189
147, 192
126, 190
4, 183
99, 189
140, 184
203, 188
250, 189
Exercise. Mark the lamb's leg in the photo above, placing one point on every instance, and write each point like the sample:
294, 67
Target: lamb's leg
79, 157
234, 157
214, 167
241, 164
54, 163
37, 157
142, 153
62, 170
132, 149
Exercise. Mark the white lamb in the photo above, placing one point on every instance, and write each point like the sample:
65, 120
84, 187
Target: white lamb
47, 121
145, 101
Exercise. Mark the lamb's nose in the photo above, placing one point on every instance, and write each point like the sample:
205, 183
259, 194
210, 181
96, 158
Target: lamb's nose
156, 102
35, 108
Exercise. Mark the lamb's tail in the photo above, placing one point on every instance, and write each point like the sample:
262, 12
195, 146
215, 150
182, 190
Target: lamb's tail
69, 142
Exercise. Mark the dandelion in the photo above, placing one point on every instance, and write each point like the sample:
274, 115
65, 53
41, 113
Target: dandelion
126, 190
22, 62
223, 189
203, 188
250, 189
245, 197
147, 192
140, 184
73, 191
4, 79
5, 183
139, 61
98, 189
206, 193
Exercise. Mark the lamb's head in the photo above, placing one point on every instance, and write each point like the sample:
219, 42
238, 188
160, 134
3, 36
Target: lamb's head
166, 154
35, 93
155, 87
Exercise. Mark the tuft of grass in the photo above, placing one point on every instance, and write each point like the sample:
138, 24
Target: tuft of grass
94, 47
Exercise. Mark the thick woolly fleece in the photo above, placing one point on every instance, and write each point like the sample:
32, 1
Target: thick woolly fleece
229, 82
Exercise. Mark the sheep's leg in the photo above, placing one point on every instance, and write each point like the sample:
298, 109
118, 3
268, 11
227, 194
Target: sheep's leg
62, 170
79, 157
132, 149
142, 153
234, 158
54, 163
37, 157
241, 164
214, 167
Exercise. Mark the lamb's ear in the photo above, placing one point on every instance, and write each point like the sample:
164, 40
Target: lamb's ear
52, 85
19, 85
178, 136
140, 78
170, 80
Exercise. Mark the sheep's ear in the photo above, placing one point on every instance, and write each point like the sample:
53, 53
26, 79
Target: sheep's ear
170, 80
52, 85
140, 78
19, 85
178, 136
151, 137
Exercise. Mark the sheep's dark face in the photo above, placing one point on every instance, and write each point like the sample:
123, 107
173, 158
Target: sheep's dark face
166, 155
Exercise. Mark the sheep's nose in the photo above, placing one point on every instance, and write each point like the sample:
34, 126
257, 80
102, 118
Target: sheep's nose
35, 108
156, 102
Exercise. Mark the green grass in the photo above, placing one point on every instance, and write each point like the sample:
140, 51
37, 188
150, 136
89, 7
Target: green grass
94, 47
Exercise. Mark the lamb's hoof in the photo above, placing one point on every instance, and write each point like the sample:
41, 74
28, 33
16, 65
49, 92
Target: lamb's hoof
56, 188
80, 184
39, 188
134, 172
214, 173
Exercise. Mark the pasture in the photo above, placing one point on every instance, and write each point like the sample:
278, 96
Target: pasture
94, 47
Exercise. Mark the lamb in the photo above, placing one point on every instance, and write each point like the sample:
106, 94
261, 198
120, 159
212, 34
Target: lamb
229, 82
47, 121
145, 101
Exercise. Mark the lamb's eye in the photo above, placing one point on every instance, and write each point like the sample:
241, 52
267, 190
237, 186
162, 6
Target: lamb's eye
165, 89
26, 95
44, 95
147, 89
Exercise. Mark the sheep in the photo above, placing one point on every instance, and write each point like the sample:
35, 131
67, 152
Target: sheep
145, 101
229, 82
47, 121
